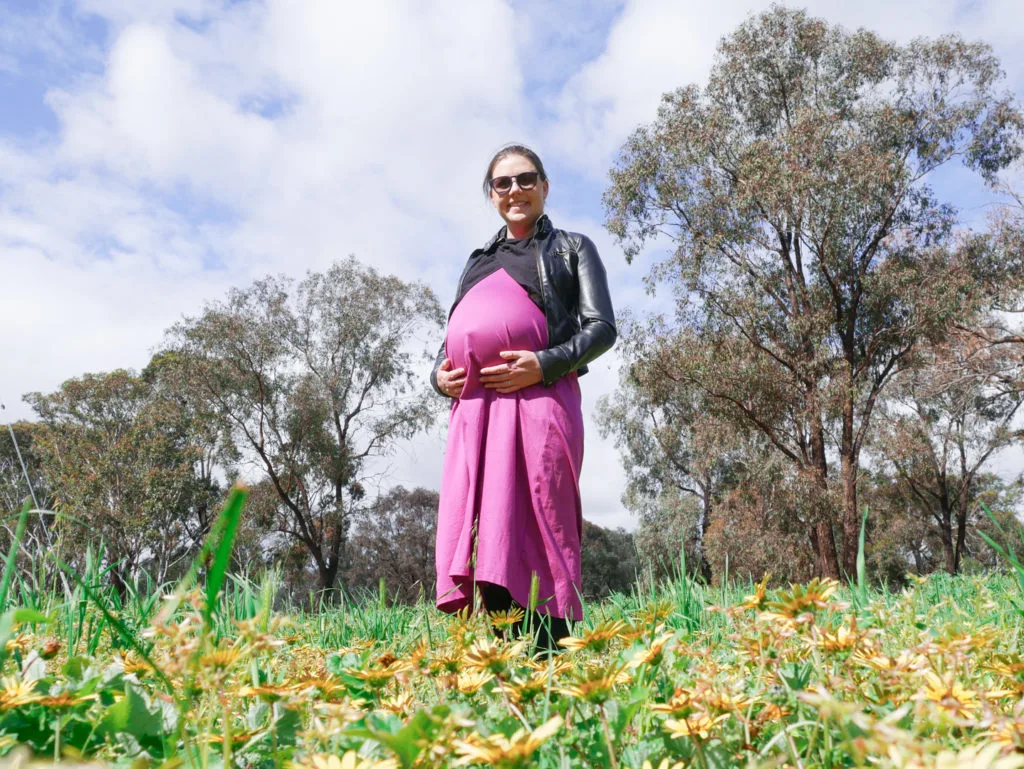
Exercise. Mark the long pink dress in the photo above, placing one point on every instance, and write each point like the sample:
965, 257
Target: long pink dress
510, 498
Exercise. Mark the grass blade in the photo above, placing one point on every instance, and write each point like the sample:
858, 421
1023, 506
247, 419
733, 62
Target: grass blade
19, 532
229, 520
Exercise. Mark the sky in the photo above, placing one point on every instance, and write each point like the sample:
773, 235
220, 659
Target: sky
155, 154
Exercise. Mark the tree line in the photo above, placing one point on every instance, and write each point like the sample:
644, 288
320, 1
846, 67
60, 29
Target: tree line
838, 341
291, 386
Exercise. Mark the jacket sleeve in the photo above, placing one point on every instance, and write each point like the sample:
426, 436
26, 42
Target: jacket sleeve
597, 319
438, 361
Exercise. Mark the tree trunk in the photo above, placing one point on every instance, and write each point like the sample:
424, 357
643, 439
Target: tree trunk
703, 519
918, 559
851, 522
328, 573
826, 557
961, 528
822, 539
946, 534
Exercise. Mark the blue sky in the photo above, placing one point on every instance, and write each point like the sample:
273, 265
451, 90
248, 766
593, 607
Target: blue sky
154, 154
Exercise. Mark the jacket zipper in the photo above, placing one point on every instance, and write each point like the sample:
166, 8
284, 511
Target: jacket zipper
543, 297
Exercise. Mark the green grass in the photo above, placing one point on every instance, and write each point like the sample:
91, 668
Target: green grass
205, 674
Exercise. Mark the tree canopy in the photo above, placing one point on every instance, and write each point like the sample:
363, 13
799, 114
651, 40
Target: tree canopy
808, 253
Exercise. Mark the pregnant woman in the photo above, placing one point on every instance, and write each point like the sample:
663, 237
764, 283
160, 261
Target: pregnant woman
532, 308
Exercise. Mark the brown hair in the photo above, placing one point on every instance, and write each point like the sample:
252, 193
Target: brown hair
513, 149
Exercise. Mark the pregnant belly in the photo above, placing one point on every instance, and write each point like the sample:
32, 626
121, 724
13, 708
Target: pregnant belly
494, 316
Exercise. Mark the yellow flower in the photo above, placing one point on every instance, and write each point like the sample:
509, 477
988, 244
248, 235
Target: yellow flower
1008, 732
1011, 666
221, 659
445, 661
725, 702
596, 685
756, 601
503, 620
236, 739
400, 704
653, 653
843, 638
598, 638
267, 693
982, 638
801, 598
655, 613
375, 677
469, 681
14, 693
697, 725
492, 656
663, 765
350, 760
525, 690
555, 665
772, 712
327, 685
949, 695
19, 643
682, 702
358, 647
905, 662
499, 750
984, 757
64, 700
345, 712
132, 665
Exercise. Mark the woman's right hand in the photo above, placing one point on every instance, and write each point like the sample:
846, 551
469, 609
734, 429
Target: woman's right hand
450, 382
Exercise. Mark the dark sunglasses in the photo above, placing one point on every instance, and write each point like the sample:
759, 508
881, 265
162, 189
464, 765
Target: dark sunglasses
526, 181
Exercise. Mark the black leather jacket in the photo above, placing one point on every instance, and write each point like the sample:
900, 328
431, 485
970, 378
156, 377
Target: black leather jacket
577, 305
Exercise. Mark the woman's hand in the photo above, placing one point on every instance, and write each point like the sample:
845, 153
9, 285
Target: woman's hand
521, 369
450, 382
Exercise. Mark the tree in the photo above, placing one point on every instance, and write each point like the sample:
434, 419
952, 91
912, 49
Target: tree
21, 479
811, 256
120, 460
17, 455
944, 425
670, 443
312, 380
394, 540
607, 560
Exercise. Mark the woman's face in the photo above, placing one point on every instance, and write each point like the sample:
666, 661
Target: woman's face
519, 208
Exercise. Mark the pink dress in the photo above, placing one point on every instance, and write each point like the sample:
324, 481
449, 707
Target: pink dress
510, 498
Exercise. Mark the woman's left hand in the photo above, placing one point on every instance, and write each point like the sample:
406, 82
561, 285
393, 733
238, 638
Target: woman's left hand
521, 369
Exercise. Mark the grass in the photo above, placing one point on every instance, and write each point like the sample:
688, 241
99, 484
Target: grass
207, 675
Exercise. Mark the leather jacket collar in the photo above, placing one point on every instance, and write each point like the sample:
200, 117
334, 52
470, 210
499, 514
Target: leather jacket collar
577, 304
544, 228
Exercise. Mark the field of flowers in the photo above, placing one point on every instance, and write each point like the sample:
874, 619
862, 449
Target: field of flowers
815, 675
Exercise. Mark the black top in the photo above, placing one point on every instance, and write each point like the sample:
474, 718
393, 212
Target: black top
517, 257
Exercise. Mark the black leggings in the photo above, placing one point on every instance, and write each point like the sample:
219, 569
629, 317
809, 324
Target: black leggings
549, 630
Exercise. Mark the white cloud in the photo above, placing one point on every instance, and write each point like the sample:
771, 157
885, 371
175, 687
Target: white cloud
656, 46
274, 136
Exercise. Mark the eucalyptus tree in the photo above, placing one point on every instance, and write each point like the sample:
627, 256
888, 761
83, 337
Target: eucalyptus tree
120, 461
671, 445
21, 475
393, 540
808, 251
313, 379
942, 427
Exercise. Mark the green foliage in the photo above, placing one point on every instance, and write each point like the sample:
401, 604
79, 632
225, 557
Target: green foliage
310, 380
809, 258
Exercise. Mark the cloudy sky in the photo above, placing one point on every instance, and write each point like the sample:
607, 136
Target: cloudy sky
154, 154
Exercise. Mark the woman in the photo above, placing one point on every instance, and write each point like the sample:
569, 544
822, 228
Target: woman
531, 310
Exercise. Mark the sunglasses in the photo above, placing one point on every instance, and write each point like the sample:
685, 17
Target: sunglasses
526, 181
